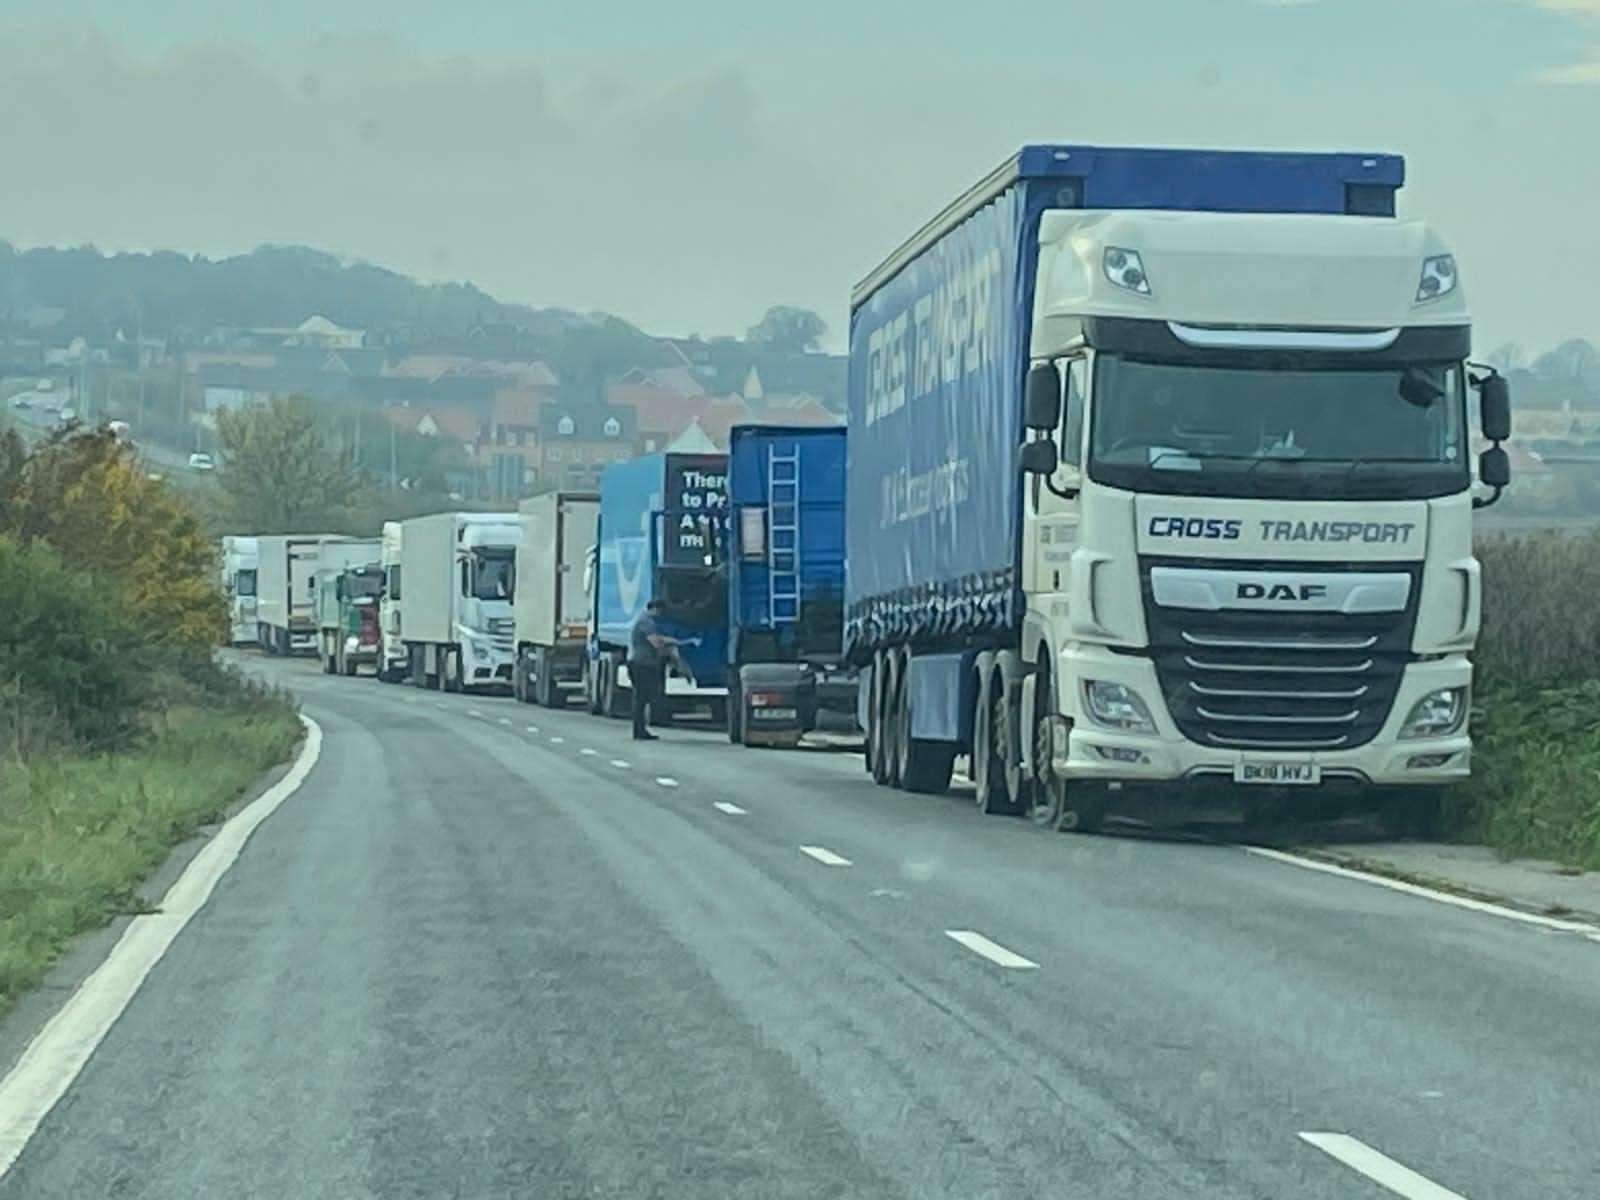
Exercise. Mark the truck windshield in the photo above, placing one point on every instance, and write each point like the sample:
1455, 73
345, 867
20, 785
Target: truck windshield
244, 583
363, 586
493, 574
1395, 432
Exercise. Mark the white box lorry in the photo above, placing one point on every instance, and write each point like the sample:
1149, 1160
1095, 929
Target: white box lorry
459, 572
286, 601
551, 608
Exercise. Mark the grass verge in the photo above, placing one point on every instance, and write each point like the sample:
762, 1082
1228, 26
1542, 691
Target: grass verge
1535, 789
78, 833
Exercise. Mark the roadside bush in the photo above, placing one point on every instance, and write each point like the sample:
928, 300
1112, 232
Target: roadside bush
1535, 788
69, 670
1541, 608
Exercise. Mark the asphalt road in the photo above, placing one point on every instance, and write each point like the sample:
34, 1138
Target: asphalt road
493, 951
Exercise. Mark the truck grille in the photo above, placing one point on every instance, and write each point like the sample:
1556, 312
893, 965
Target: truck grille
1279, 680
502, 634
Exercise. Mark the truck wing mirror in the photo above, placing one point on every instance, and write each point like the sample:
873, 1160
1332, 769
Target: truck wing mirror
1494, 467
1494, 408
1039, 458
1042, 409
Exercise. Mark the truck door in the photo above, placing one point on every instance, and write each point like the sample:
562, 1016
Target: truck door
1052, 505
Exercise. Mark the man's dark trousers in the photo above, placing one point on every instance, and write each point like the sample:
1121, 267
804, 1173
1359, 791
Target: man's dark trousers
647, 683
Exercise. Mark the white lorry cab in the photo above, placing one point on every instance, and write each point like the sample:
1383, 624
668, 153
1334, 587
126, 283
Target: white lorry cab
1233, 393
239, 563
459, 575
393, 664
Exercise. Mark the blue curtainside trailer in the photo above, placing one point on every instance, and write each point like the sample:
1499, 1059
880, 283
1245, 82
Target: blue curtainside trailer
786, 571
661, 535
939, 350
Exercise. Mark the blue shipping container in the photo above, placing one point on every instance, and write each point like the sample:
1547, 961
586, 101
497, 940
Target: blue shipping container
662, 527
786, 555
939, 350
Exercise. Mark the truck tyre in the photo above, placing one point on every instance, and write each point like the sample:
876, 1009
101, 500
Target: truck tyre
449, 668
1049, 792
735, 708
519, 678
347, 664
719, 710
544, 693
1008, 671
874, 730
888, 719
988, 767
329, 661
591, 686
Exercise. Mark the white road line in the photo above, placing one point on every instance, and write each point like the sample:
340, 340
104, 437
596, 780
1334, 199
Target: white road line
505, 720
55, 1057
733, 810
472, 712
556, 741
993, 951
666, 781
825, 856
1426, 893
587, 751
1379, 1168
440, 704
620, 763
533, 729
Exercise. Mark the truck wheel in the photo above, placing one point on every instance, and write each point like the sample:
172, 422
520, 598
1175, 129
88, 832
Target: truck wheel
449, 669
735, 708
591, 686
348, 664
719, 710
1048, 800
1009, 733
542, 690
874, 730
886, 684
988, 767
329, 661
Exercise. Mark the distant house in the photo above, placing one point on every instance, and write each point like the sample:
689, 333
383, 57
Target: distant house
578, 441
319, 331
458, 423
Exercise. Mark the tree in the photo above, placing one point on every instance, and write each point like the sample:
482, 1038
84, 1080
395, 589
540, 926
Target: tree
84, 494
784, 327
276, 475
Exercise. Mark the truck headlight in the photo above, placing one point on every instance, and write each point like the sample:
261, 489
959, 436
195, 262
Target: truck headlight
1117, 706
1126, 269
1436, 714
1438, 277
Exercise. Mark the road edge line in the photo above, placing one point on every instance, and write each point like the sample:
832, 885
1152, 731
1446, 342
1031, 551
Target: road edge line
1421, 891
60, 1050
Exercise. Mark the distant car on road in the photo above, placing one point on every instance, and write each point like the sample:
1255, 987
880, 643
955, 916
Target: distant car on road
25, 400
201, 462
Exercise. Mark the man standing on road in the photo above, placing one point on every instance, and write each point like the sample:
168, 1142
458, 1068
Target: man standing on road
648, 649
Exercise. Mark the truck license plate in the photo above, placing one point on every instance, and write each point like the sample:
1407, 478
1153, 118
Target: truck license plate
1280, 774
775, 714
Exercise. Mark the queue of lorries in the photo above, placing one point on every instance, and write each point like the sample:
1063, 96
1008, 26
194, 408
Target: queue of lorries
1160, 472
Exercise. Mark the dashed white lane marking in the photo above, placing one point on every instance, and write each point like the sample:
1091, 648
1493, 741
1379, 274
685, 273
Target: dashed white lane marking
505, 720
556, 741
733, 810
825, 856
440, 704
55, 1057
666, 781
1426, 893
533, 729
993, 951
587, 751
1380, 1168
472, 712
620, 763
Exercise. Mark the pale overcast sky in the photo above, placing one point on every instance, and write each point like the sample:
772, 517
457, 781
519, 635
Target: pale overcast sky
685, 164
